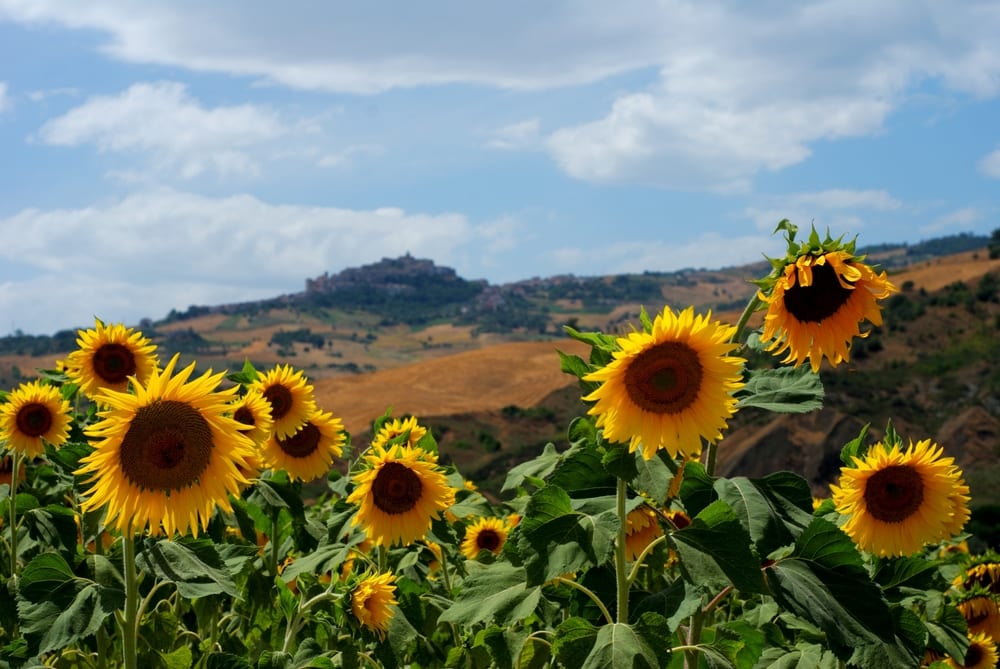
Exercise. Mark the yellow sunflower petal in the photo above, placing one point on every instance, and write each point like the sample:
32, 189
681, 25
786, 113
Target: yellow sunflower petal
373, 602
166, 455
486, 534
898, 501
981, 654
291, 397
308, 454
816, 307
108, 356
669, 388
34, 414
398, 493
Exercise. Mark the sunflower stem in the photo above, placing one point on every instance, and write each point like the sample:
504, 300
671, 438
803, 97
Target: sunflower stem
710, 458
275, 512
383, 559
130, 623
642, 557
590, 593
15, 458
621, 565
741, 324
693, 639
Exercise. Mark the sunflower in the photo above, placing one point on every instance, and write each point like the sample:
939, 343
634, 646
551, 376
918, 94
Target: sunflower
291, 398
399, 492
981, 613
985, 575
642, 527
373, 601
165, 454
253, 412
670, 387
816, 299
898, 501
396, 428
486, 534
34, 414
108, 356
308, 454
981, 654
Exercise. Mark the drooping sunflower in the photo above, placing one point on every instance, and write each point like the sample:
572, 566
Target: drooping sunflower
308, 454
898, 501
399, 492
166, 454
984, 574
291, 396
108, 356
817, 298
669, 388
34, 414
253, 413
486, 534
373, 602
981, 654
641, 528
981, 613
397, 427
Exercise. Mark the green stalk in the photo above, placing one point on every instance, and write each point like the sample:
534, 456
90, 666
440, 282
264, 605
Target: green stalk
15, 457
744, 317
621, 565
130, 622
274, 541
590, 593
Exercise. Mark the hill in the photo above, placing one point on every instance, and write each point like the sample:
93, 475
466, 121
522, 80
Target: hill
478, 363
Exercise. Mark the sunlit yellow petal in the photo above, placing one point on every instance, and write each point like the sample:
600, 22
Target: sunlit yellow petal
33, 415
108, 356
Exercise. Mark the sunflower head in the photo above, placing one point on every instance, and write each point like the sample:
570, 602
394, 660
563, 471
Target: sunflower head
253, 413
669, 386
899, 500
817, 297
33, 415
291, 397
398, 431
108, 356
983, 573
399, 490
308, 453
373, 602
486, 534
166, 454
981, 654
981, 612
642, 527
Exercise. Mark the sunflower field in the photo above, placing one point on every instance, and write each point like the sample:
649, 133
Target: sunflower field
155, 516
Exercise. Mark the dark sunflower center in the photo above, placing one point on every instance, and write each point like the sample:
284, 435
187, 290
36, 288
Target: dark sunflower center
114, 363
488, 540
244, 416
816, 303
167, 446
894, 494
280, 398
34, 420
396, 488
665, 378
973, 656
303, 443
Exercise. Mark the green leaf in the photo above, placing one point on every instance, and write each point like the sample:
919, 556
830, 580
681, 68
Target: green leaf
45, 576
740, 642
697, 488
496, 592
573, 364
193, 566
803, 656
911, 572
580, 471
619, 462
177, 659
946, 625
535, 654
677, 602
826, 583
618, 646
782, 390
274, 659
226, 661
503, 643
655, 475
714, 544
855, 448
574, 639
537, 468
554, 538
773, 510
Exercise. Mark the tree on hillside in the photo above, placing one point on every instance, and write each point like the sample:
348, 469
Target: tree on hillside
995, 244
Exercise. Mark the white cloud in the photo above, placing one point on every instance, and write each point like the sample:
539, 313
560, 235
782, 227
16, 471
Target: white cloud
164, 249
842, 198
516, 136
990, 164
953, 222
162, 120
345, 157
659, 255
836, 208
4, 102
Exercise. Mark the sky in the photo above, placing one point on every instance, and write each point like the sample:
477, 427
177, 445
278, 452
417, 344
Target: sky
159, 155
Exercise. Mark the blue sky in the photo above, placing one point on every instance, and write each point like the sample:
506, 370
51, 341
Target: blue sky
163, 154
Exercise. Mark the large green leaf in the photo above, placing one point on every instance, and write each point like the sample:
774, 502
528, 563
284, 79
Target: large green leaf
945, 624
193, 566
825, 582
619, 646
533, 471
803, 656
782, 389
497, 592
554, 538
715, 550
773, 510
654, 476
574, 639
697, 488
